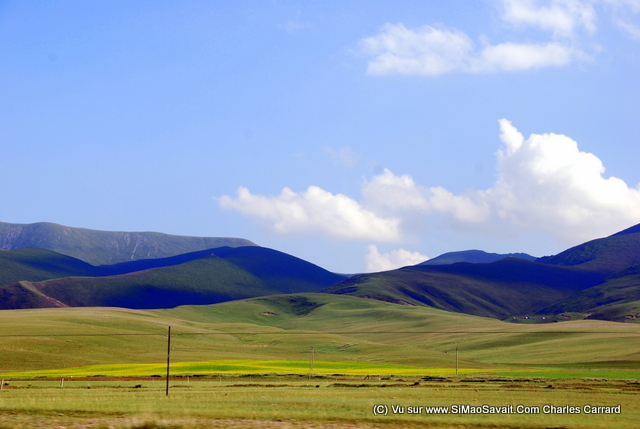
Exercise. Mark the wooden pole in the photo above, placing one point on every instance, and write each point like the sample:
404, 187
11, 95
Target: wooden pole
168, 358
311, 359
456, 361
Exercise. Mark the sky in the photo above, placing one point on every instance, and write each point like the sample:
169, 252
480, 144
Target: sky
360, 136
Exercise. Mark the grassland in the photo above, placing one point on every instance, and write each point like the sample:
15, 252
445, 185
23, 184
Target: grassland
294, 402
571, 363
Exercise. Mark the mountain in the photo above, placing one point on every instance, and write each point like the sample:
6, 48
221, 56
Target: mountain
617, 299
500, 289
194, 278
278, 269
474, 256
598, 278
105, 247
40, 264
608, 255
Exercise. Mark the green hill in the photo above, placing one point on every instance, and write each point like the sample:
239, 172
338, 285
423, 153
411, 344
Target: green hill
203, 281
195, 278
105, 247
40, 264
500, 289
340, 328
279, 270
618, 299
474, 257
606, 255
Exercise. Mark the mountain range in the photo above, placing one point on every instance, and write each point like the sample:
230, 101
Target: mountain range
599, 279
105, 247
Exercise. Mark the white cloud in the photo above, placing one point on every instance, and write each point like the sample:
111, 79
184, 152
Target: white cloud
623, 12
561, 17
424, 51
544, 184
547, 184
314, 211
398, 258
433, 51
518, 56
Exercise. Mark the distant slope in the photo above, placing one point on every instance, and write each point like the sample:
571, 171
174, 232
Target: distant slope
193, 278
40, 264
606, 255
500, 289
474, 256
203, 281
340, 328
617, 299
277, 269
105, 247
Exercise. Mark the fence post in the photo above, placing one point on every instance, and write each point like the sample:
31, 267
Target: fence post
168, 358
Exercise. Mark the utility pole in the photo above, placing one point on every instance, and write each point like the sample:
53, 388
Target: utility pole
311, 359
456, 361
168, 357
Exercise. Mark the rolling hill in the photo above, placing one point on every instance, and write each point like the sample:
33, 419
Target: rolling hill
474, 256
500, 289
341, 328
195, 278
105, 247
617, 299
40, 264
607, 255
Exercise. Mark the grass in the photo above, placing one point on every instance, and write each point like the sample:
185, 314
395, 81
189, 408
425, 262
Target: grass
274, 334
322, 403
243, 366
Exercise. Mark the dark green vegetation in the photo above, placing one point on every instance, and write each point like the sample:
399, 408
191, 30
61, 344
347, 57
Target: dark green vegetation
195, 278
608, 255
40, 264
598, 279
500, 289
475, 257
617, 299
105, 247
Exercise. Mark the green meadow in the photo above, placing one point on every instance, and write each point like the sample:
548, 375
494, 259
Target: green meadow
243, 366
237, 363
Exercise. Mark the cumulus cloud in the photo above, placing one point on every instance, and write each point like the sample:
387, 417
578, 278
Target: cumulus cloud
435, 51
544, 184
398, 258
314, 211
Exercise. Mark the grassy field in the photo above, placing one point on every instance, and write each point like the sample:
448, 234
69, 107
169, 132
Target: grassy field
571, 363
320, 402
244, 366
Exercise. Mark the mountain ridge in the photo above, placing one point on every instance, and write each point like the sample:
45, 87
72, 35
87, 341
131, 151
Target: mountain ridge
474, 256
106, 247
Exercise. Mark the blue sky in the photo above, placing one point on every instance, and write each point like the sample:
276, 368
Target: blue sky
358, 135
